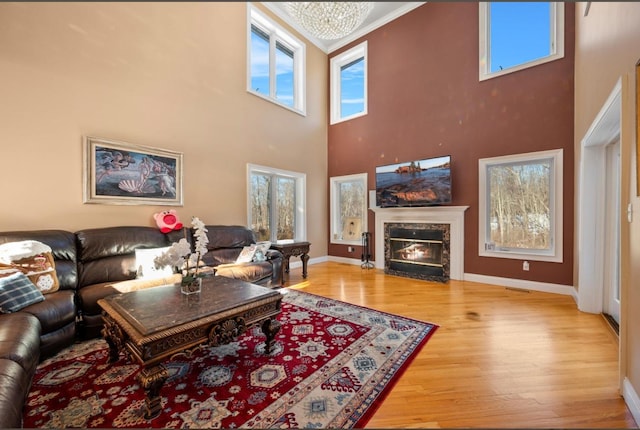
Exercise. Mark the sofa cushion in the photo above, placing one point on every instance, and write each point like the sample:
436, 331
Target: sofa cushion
35, 260
145, 263
246, 254
90, 294
249, 272
17, 292
229, 236
63, 249
108, 254
56, 311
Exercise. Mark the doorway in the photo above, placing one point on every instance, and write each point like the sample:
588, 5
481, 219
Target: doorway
611, 263
599, 209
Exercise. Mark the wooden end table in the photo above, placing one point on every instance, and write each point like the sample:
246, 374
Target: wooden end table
152, 325
293, 249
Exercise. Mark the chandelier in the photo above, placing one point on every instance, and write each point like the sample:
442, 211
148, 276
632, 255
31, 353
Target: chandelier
329, 20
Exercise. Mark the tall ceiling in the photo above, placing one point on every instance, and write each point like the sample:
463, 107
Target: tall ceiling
382, 13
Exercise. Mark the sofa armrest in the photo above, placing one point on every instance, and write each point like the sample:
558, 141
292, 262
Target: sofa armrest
276, 258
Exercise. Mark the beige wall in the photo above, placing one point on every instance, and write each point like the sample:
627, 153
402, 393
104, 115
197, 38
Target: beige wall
167, 75
607, 49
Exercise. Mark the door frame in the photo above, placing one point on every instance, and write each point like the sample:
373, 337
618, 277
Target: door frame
604, 130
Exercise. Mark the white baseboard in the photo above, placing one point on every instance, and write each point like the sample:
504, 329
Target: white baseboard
297, 263
544, 287
354, 261
566, 290
631, 399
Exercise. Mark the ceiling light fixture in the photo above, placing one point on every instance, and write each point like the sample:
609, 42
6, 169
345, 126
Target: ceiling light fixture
329, 20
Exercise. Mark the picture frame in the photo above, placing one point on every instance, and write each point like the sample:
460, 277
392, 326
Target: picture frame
122, 173
352, 228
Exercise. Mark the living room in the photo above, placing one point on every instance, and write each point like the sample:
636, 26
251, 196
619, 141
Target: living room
173, 76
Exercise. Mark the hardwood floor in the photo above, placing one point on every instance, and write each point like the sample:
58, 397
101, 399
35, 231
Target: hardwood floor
501, 358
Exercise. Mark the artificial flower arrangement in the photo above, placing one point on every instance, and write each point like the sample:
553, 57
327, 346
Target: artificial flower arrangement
179, 255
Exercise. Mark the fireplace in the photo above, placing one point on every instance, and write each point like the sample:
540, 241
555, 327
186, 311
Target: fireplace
450, 215
417, 250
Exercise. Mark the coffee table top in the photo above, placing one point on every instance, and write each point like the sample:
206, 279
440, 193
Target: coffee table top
160, 308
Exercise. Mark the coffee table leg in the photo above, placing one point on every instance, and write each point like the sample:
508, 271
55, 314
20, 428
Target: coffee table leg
270, 328
112, 333
152, 379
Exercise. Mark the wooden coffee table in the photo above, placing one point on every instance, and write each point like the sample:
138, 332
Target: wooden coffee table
152, 325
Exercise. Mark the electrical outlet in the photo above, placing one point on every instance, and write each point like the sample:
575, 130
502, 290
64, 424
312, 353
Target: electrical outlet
525, 266
350, 249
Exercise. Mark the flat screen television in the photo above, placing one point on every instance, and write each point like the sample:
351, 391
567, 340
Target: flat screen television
424, 182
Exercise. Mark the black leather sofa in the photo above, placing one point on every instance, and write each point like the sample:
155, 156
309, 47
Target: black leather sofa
91, 264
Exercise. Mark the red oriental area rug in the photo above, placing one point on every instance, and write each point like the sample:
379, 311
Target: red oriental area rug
332, 364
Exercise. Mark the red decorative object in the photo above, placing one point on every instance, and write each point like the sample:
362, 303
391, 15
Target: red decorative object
331, 366
167, 221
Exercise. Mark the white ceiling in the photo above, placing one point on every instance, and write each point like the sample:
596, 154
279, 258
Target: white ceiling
382, 13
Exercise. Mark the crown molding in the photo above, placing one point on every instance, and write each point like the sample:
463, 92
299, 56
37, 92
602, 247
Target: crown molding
330, 46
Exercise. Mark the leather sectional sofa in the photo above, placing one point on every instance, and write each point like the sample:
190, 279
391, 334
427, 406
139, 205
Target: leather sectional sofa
91, 264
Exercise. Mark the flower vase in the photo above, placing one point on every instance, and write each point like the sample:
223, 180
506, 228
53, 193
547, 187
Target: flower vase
190, 285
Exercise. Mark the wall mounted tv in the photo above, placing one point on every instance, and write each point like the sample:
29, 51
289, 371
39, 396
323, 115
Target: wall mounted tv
424, 182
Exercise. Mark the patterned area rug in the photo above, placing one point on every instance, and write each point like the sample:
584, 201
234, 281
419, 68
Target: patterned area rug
332, 365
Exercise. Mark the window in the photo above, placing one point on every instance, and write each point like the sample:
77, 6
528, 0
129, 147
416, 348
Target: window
520, 206
348, 208
276, 63
518, 35
276, 204
349, 84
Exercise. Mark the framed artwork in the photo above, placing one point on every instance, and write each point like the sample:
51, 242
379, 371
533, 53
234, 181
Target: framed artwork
121, 173
352, 229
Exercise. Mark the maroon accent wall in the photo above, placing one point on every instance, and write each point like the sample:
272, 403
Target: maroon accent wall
425, 100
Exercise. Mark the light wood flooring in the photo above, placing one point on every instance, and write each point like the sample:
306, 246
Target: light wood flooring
501, 358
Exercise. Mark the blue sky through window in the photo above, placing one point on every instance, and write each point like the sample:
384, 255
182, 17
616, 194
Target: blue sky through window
260, 68
520, 32
352, 88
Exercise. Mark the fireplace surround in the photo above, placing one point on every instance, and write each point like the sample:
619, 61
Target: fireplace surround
451, 215
417, 250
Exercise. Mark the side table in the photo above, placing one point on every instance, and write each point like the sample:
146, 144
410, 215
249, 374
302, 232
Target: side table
293, 249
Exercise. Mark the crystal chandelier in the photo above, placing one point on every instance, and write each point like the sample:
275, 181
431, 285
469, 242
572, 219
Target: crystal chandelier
329, 20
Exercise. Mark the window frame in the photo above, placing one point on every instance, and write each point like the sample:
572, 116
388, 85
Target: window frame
336, 224
556, 253
278, 35
300, 211
557, 41
336, 64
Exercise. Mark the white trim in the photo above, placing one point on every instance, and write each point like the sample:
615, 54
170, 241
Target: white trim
329, 47
345, 260
555, 254
557, 42
631, 398
277, 32
374, 25
316, 260
591, 219
335, 82
336, 225
301, 192
566, 290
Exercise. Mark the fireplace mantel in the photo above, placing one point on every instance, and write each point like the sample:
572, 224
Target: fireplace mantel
452, 215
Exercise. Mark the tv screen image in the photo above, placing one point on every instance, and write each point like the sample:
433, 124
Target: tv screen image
424, 182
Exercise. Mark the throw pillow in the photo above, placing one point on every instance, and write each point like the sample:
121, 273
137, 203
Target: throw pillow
246, 255
17, 292
34, 259
146, 266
